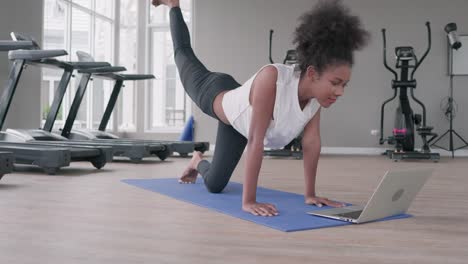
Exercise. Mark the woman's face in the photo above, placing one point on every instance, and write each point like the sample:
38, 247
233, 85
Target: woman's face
327, 87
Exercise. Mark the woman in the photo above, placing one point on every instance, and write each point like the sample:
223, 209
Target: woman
275, 105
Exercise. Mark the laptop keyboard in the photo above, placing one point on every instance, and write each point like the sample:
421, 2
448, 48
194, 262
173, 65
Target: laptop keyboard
352, 215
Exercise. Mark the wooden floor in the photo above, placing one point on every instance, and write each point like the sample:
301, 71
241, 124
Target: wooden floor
89, 216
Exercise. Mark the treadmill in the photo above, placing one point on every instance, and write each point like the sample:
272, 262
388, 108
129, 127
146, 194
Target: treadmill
48, 158
6, 163
97, 155
182, 147
133, 151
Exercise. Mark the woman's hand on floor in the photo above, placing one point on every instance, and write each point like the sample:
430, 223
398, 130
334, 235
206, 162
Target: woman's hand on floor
320, 201
260, 209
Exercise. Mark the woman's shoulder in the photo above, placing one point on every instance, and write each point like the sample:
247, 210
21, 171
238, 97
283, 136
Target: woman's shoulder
279, 67
267, 75
279, 71
269, 70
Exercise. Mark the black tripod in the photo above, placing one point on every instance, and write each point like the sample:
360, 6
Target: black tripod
450, 132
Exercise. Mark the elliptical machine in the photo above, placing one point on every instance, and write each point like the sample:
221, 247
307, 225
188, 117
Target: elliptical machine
407, 122
294, 148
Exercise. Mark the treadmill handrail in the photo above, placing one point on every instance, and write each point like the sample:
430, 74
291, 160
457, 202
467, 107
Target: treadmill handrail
73, 65
89, 65
7, 45
16, 36
136, 77
124, 77
109, 69
35, 54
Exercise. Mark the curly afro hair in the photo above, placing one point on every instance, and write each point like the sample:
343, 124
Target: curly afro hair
328, 35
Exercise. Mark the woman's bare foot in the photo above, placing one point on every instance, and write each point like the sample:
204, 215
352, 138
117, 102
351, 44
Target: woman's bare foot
169, 3
190, 174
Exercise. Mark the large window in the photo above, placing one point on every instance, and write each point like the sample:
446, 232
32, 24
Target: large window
110, 30
55, 37
128, 57
167, 104
78, 25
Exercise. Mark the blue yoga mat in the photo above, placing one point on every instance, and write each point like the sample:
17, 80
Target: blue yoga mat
292, 217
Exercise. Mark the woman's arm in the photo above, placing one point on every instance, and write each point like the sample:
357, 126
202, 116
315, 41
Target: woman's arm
311, 146
262, 99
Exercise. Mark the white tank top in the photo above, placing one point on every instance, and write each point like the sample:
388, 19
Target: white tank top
288, 118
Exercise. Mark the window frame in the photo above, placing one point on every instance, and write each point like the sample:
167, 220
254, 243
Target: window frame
150, 29
142, 108
71, 7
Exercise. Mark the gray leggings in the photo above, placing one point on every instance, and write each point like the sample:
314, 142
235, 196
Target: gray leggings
203, 86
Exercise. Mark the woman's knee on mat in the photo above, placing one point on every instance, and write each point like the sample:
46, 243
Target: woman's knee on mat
215, 186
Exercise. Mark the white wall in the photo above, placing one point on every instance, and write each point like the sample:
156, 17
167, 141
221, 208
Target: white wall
22, 16
232, 37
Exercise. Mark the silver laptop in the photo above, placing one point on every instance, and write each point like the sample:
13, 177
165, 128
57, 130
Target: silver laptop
392, 197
